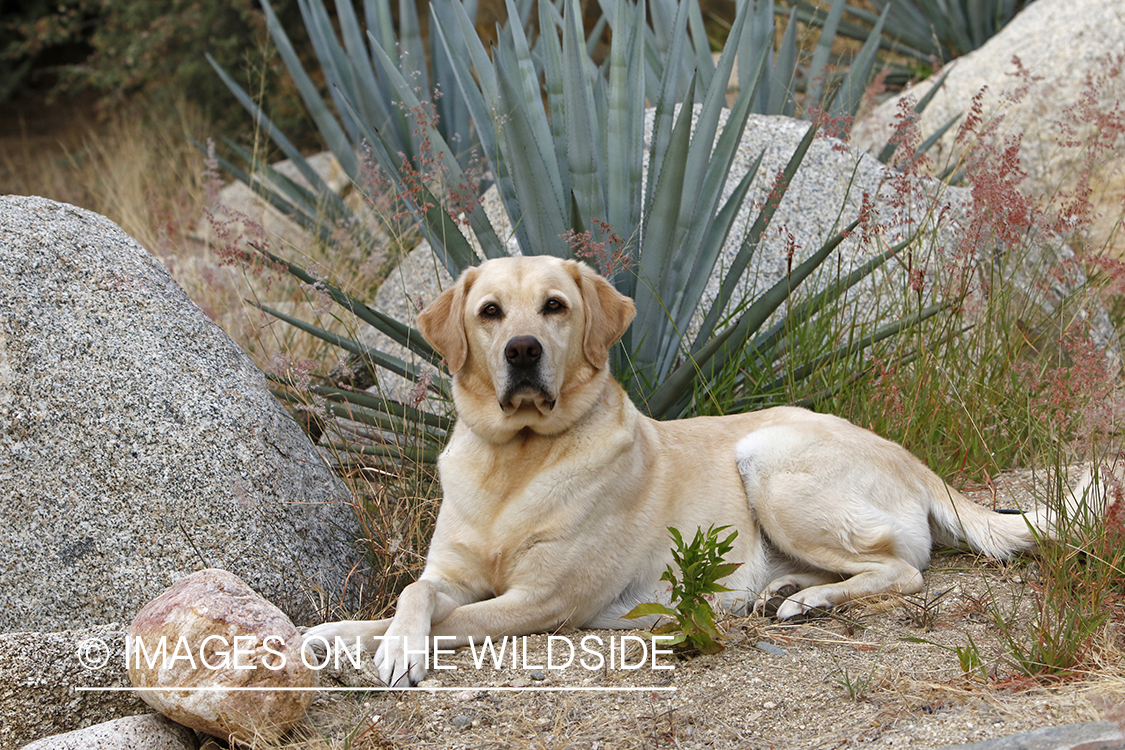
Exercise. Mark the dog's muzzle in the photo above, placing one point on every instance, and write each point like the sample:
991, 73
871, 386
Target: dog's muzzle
525, 385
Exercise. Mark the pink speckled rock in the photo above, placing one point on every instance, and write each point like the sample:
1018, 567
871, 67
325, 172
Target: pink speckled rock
211, 630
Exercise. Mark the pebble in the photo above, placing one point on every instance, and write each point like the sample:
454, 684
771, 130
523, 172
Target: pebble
769, 648
538, 675
462, 722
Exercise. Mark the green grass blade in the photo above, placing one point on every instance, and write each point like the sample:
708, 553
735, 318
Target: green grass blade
416, 455
379, 21
701, 47
397, 331
852, 349
481, 95
581, 126
334, 65
888, 151
437, 226
781, 84
625, 134
303, 198
554, 74
379, 403
379, 418
386, 361
824, 298
291, 152
709, 166
712, 245
716, 353
753, 44
326, 123
525, 82
305, 217
750, 243
368, 91
850, 95
454, 120
823, 50
663, 233
704, 181
665, 105
412, 59
544, 217
448, 168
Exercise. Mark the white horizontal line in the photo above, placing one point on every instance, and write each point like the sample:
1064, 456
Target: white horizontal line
217, 688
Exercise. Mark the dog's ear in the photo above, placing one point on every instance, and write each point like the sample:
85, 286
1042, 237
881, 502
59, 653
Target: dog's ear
608, 314
442, 322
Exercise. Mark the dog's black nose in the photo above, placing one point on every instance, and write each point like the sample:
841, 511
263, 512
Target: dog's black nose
523, 351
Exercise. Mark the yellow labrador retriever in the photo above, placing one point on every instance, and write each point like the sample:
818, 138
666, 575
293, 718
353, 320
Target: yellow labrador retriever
558, 492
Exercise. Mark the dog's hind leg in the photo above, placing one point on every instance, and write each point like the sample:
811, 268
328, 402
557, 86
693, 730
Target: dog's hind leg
870, 577
850, 526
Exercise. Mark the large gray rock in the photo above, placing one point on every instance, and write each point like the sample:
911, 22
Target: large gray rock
45, 689
137, 442
1091, 735
1063, 47
150, 732
825, 195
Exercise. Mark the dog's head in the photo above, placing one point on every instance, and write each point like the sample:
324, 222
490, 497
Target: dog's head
527, 340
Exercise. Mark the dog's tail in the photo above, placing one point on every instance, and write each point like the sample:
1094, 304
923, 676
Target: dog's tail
1001, 534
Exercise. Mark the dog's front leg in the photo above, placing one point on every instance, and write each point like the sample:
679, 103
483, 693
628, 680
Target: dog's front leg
403, 649
402, 655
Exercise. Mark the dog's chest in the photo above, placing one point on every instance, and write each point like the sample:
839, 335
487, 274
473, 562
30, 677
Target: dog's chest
504, 510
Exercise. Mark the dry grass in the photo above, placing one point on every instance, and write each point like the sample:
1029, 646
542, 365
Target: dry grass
136, 167
141, 169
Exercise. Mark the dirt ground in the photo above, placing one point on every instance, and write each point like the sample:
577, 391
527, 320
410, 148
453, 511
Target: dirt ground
882, 674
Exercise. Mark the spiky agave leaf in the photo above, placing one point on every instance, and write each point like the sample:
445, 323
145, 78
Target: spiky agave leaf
573, 161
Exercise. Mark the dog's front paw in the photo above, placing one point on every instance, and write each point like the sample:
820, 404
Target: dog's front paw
344, 640
317, 642
401, 659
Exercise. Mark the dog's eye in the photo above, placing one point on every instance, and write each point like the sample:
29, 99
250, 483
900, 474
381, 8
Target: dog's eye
553, 306
491, 310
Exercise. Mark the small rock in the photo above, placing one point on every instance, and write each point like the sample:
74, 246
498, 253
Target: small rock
769, 705
149, 731
462, 722
769, 648
217, 632
537, 674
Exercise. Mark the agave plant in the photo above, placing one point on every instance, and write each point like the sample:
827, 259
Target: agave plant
563, 138
364, 97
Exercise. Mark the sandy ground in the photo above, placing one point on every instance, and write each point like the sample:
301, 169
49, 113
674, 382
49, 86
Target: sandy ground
884, 673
